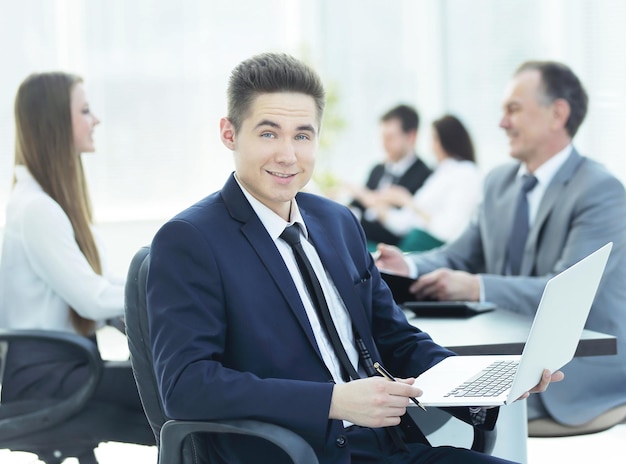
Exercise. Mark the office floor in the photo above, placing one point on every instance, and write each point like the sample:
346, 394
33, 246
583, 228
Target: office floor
608, 447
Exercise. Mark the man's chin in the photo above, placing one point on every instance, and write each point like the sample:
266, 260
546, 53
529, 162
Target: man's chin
516, 154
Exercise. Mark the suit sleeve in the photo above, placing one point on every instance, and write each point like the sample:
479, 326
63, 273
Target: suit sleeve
463, 254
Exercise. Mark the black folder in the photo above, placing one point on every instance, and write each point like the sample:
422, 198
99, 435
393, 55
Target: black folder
399, 286
448, 308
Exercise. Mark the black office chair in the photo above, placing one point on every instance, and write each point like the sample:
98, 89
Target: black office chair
55, 429
182, 442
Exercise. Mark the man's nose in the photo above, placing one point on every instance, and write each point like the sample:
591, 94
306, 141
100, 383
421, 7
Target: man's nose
286, 152
505, 122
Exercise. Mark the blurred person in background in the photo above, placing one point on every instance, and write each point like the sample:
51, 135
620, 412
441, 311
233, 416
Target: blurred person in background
402, 168
440, 210
53, 275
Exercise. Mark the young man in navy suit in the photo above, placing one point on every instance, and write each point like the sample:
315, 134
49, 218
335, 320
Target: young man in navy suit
236, 335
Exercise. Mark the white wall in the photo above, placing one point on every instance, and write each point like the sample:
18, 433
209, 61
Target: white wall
156, 72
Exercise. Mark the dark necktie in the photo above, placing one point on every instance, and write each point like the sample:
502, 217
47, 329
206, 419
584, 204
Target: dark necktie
291, 235
389, 178
519, 232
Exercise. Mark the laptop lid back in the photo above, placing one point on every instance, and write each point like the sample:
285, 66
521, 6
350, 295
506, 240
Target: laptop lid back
560, 319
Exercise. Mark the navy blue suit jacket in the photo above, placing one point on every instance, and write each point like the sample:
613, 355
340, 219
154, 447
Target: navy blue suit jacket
230, 335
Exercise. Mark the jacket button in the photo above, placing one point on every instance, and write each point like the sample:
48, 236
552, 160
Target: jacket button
341, 441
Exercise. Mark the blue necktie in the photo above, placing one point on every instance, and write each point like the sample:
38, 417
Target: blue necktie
519, 231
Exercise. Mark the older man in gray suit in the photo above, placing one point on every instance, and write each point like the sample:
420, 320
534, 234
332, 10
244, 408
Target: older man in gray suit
521, 238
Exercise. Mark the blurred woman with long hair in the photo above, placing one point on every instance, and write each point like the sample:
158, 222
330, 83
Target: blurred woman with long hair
52, 275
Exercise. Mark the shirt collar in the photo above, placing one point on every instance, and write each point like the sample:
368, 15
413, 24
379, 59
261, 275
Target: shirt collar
548, 170
449, 161
273, 223
399, 167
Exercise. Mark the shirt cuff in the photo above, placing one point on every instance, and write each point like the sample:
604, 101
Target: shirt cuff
478, 415
370, 215
482, 289
413, 271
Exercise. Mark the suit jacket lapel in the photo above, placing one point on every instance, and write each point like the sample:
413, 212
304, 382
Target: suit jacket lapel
377, 174
548, 202
503, 215
254, 231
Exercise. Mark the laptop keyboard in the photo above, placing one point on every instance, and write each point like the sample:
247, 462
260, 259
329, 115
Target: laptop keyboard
491, 381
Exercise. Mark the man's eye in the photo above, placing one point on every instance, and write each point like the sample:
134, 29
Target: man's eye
302, 137
267, 135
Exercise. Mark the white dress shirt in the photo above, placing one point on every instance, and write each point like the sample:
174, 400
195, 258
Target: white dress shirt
43, 271
449, 197
396, 169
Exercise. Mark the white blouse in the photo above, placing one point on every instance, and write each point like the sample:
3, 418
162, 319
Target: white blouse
449, 197
43, 271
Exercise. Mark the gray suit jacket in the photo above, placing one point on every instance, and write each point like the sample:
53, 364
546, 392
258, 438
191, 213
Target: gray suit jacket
583, 208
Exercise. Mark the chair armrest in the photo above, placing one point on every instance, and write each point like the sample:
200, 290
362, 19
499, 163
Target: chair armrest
46, 413
174, 432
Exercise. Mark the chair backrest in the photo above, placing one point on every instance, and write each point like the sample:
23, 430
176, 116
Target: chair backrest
139, 341
185, 441
52, 428
25, 417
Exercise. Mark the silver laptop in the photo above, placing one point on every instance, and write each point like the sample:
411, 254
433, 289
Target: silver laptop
552, 342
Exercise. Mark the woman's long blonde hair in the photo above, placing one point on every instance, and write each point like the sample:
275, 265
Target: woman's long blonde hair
44, 143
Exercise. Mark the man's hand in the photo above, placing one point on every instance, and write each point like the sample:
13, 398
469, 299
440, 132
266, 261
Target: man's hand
395, 195
369, 198
546, 379
446, 284
390, 258
373, 401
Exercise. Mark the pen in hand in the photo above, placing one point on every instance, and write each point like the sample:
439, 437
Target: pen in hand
382, 371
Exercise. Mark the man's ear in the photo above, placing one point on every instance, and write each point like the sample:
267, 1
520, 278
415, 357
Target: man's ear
561, 112
227, 133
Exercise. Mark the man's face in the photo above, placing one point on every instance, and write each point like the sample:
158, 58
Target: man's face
275, 147
396, 142
529, 123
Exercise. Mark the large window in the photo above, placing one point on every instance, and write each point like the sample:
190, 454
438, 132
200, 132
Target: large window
156, 72
485, 40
